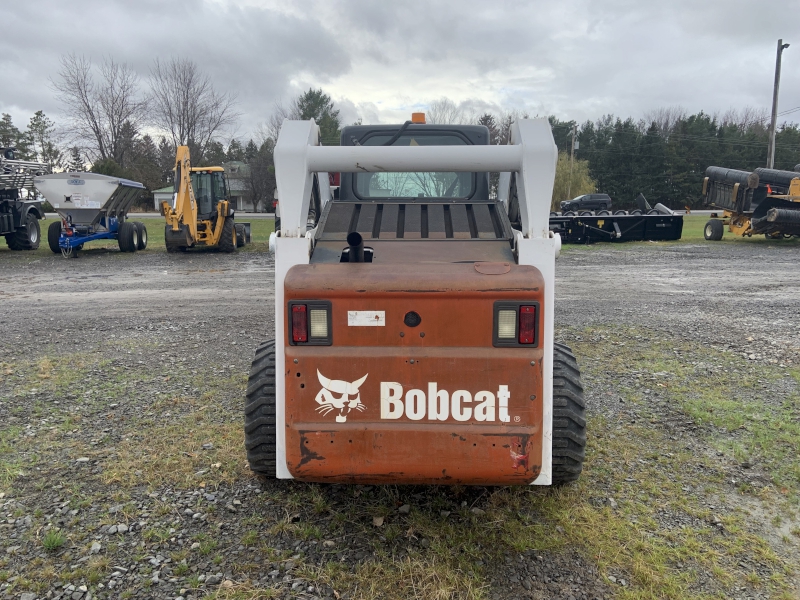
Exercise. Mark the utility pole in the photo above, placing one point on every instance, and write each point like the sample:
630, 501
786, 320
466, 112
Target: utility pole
774, 122
571, 160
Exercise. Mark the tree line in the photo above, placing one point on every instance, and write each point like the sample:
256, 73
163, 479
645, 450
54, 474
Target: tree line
110, 115
664, 155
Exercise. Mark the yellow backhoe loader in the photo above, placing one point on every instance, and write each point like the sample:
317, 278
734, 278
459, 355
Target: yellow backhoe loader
200, 214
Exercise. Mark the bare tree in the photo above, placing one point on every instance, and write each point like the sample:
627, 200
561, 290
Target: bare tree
665, 119
747, 119
443, 111
185, 104
280, 112
102, 109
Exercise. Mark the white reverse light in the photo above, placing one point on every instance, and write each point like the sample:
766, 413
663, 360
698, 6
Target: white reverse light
319, 323
506, 324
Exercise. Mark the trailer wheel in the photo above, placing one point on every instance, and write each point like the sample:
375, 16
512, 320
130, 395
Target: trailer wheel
585, 213
227, 240
259, 411
603, 213
128, 237
636, 212
53, 235
241, 235
620, 212
569, 420
142, 235
569, 213
713, 230
26, 237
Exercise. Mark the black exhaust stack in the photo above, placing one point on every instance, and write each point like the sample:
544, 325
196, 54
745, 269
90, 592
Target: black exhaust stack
356, 251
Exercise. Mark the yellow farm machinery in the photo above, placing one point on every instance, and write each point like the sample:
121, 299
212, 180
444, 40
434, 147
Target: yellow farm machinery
200, 214
764, 201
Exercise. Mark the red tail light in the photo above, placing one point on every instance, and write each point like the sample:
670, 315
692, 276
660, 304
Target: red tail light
527, 324
299, 323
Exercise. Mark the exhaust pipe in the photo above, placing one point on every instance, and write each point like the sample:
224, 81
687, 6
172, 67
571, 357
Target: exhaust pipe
356, 243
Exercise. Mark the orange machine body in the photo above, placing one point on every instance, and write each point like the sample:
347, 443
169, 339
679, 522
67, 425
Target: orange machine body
438, 402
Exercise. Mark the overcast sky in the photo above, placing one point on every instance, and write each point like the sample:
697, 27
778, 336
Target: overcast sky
576, 59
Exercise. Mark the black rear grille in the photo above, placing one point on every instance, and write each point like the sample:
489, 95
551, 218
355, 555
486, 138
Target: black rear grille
415, 221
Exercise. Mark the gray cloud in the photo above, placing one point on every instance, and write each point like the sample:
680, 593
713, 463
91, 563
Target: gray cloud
576, 59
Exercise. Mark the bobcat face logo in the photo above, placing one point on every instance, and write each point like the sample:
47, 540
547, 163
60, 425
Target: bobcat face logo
339, 395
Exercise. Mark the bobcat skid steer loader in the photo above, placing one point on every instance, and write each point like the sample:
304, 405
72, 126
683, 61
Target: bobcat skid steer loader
413, 324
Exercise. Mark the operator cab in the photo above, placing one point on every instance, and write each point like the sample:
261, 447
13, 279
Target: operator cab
209, 188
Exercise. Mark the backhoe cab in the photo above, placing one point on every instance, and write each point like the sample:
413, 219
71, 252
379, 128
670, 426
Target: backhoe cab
200, 214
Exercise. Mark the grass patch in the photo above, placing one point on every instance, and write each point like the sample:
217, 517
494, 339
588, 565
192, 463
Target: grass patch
259, 228
53, 540
191, 449
409, 577
693, 226
714, 388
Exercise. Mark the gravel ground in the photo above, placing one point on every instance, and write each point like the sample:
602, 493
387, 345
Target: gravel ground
117, 368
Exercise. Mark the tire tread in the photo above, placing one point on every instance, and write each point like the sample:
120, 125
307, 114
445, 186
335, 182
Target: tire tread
569, 417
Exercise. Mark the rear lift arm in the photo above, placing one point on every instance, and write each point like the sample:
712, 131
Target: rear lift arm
531, 154
185, 211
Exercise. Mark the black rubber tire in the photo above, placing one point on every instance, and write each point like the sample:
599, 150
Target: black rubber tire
227, 240
585, 213
603, 213
142, 235
713, 230
241, 235
569, 417
259, 411
128, 237
26, 237
553, 214
569, 213
620, 212
53, 234
653, 211
636, 212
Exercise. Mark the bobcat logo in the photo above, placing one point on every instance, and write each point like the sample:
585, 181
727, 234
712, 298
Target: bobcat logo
339, 395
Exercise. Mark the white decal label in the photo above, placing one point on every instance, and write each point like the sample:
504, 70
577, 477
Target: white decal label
339, 395
439, 405
83, 201
366, 318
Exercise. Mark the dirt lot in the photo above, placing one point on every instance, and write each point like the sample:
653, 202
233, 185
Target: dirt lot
122, 471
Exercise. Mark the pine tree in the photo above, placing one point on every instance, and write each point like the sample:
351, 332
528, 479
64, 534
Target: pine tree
166, 160
11, 137
43, 146
75, 164
235, 150
317, 105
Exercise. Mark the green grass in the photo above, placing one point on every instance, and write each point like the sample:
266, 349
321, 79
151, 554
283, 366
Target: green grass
260, 230
53, 540
693, 226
